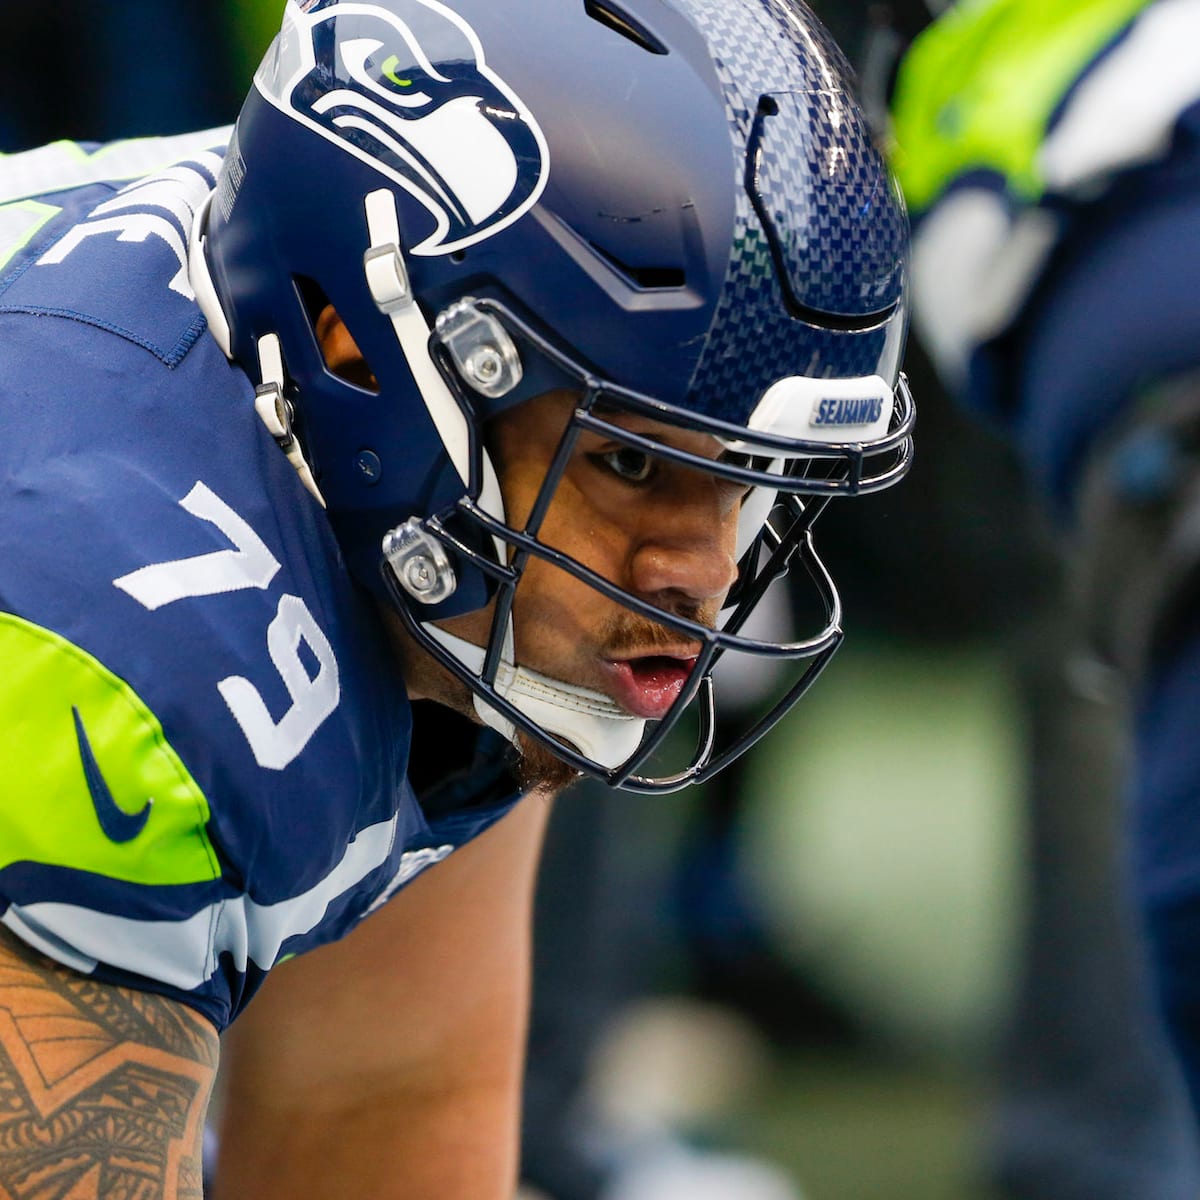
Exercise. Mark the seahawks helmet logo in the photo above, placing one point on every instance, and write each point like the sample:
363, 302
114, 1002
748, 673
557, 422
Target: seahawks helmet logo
405, 89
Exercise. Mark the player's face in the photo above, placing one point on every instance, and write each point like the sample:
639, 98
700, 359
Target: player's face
662, 531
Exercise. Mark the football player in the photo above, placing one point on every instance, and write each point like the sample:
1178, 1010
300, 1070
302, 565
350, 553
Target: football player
1050, 152
420, 444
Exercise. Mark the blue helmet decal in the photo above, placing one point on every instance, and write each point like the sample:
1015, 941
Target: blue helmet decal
412, 96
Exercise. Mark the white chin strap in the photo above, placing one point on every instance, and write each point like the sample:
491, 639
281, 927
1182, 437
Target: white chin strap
595, 725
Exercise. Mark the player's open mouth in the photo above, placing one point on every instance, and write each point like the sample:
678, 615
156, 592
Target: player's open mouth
648, 685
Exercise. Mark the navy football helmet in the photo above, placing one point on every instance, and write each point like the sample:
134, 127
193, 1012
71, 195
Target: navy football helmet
671, 207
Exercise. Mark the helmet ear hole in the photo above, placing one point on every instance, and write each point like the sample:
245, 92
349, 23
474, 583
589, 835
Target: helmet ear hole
338, 349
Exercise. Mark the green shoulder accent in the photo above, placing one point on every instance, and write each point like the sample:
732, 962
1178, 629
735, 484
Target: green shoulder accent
18, 224
979, 86
79, 753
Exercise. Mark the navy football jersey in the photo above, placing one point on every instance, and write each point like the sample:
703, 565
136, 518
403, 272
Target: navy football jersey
204, 737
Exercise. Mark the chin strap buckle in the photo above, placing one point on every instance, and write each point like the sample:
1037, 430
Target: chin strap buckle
387, 278
275, 411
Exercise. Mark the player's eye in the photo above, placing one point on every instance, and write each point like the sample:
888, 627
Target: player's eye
634, 466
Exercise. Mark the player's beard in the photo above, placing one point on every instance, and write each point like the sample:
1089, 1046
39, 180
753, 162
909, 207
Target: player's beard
539, 769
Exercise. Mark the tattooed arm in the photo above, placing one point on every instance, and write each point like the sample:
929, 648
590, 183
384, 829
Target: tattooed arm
102, 1090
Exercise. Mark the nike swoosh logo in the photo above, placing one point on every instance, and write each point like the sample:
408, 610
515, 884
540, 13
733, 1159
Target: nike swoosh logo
118, 825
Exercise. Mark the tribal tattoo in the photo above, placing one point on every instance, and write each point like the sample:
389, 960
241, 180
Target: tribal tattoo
103, 1090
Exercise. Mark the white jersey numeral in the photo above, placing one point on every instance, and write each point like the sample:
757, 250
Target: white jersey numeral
277, 743
130, 227
179, 191
249, 565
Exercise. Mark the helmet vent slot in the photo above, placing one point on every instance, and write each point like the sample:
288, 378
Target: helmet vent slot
341, 357
624, 24
644, 278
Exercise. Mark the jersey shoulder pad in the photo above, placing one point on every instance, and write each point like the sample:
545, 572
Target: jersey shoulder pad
88, 780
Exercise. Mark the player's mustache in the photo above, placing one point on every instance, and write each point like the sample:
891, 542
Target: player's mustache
633, 633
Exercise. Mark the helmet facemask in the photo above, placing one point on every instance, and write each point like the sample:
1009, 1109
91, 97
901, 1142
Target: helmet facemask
787, 484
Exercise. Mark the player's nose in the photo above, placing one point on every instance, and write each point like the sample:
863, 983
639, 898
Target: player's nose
687, 553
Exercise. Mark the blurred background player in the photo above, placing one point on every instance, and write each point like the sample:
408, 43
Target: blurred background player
1049, 155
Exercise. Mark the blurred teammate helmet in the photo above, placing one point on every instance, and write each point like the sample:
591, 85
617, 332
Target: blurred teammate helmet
670, 207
